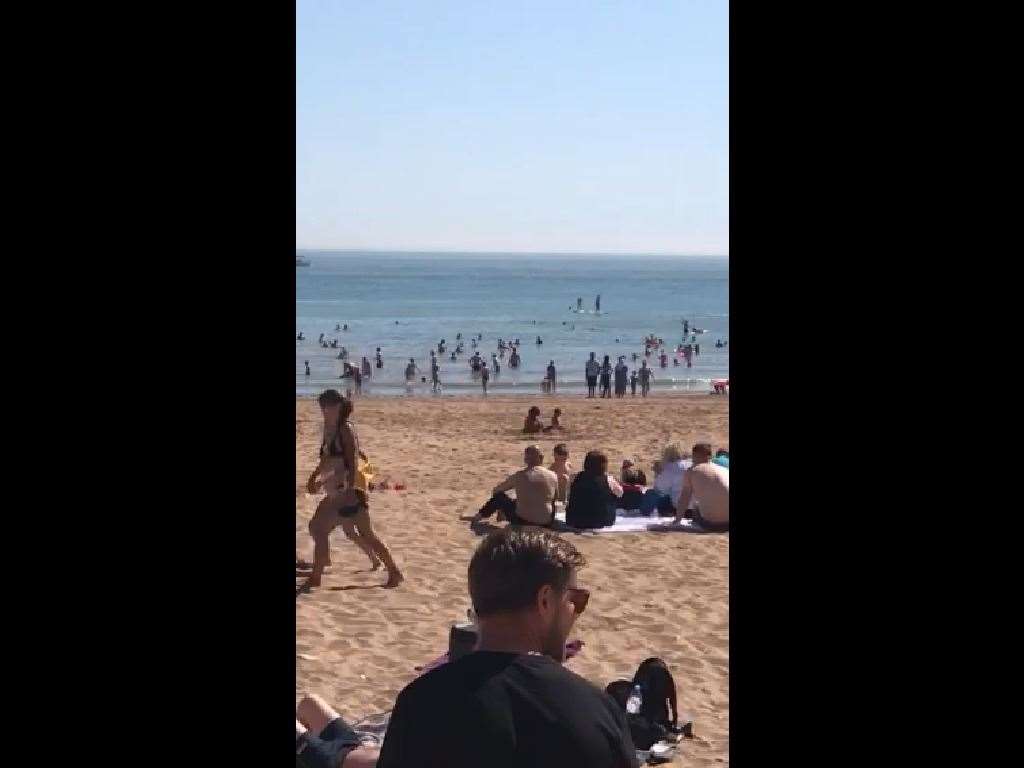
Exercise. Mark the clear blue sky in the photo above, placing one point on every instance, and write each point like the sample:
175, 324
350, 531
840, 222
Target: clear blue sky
532, 125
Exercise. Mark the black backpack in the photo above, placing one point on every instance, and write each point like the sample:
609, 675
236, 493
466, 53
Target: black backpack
659, 692
652, 723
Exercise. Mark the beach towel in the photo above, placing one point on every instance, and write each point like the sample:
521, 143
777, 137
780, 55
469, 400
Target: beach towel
629, 521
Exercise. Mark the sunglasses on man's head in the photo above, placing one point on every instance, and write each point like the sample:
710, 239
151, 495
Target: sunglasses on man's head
579, 599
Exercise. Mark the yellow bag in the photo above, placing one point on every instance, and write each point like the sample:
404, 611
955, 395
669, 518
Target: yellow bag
364, 473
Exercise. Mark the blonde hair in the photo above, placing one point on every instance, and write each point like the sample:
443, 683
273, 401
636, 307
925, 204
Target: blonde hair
672, 454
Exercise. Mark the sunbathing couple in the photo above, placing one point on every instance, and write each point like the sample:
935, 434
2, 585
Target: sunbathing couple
698, 490
510, 702
342, 474
532, 424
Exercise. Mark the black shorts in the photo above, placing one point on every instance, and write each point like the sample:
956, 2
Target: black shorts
591, 381
328, 749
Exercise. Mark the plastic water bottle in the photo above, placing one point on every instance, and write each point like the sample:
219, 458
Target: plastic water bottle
635, 700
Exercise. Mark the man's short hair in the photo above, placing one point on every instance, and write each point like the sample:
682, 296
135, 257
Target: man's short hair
511, 565
330, 397
672, 454
704, 448
561, 450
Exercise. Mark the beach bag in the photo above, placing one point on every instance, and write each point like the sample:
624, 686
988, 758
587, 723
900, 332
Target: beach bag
642, 731
659, 690
364, 473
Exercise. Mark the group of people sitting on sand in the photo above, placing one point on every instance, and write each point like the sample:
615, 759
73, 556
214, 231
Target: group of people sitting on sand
695, 488
532, 424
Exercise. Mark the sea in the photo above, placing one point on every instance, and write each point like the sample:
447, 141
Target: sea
405, 303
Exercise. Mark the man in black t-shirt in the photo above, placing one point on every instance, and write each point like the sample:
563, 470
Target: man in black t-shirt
511, 703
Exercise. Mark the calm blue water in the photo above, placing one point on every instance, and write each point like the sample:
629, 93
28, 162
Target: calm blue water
435, 296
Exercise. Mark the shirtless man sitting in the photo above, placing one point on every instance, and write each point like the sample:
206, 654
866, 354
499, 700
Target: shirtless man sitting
708, 483
535, 489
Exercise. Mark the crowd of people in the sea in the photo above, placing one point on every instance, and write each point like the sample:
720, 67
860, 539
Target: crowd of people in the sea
615, 377
526, 595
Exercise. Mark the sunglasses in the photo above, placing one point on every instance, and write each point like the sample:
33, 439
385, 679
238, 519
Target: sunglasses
579, 599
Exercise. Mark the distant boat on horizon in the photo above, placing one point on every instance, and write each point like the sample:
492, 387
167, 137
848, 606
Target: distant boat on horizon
301, 262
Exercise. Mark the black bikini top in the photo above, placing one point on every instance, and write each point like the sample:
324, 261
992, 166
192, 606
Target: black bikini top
333, 447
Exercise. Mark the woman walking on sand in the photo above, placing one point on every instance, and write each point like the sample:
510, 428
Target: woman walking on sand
340, 476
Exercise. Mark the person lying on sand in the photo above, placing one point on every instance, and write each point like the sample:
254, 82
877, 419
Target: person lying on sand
511, 702
555, 423
346, 502
535, 489
532, 423
324, 740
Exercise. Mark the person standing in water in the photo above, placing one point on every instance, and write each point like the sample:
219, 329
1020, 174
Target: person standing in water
435, 374
494, 364
632, 383
606, 378
579, 304
346, 503
592, 369
410, 371
367, 372
620, 377
645, 379
597, 303
485, 375
551, 376
307, 367
380, 362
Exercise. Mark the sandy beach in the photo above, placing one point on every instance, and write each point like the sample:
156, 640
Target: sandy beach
653, 594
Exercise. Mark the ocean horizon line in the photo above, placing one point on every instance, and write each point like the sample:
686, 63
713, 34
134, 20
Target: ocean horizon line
561, 254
